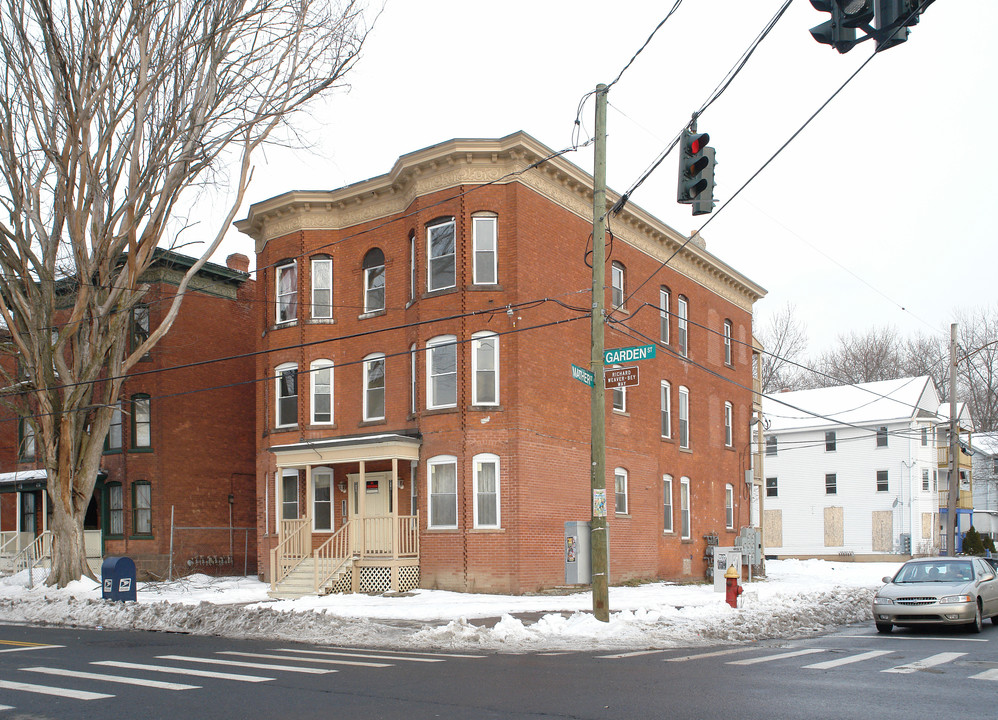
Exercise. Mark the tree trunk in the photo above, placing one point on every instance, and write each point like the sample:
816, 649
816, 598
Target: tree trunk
69, 556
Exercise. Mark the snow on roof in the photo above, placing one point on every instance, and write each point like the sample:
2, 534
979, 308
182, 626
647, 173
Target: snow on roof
986, 442
962, 415
880, 402
20, 476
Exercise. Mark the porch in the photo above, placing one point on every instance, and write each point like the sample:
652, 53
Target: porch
338, 520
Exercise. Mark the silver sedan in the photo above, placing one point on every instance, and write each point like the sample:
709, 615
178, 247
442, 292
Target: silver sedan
938, 590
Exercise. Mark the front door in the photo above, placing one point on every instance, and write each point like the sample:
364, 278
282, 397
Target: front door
370, 512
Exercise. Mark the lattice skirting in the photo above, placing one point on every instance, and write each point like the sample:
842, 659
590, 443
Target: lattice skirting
378, 579
408, 578
345, 583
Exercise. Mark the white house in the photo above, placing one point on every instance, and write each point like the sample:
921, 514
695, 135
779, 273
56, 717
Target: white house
852, 470
985, 475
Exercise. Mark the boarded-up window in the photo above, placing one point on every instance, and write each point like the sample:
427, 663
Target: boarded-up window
883, 531
927, 529
772, 533
833, 527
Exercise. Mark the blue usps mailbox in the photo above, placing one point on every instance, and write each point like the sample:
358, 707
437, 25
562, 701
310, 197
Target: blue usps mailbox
118, 578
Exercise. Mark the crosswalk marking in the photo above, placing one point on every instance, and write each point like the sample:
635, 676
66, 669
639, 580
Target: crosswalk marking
58, 692
848, 660
121, 679
330, 661
363, 655
716, 653
238, 663
394, 652
183, 671
779, 656
986, 675
22, 646
6, 707
636, 653
928, 662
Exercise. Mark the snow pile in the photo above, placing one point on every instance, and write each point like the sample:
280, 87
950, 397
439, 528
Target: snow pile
797, 598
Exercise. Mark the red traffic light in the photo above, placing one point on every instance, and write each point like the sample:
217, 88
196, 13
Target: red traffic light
698, 143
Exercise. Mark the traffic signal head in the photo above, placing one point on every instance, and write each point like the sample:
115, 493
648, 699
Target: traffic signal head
704, 202
836, 32
693, 162
856, 13
894, 17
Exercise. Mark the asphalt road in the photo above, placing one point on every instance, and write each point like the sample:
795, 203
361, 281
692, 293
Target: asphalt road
48, 672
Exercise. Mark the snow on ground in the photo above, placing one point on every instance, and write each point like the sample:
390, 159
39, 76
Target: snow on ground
797, 598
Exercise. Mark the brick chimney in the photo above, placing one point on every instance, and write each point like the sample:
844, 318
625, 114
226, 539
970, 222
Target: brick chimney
238, 262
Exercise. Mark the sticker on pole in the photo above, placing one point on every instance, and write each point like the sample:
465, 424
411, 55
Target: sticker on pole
599, 502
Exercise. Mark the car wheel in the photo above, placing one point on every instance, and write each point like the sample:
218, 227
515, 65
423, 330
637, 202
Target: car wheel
994, 619
978, 624
884, 627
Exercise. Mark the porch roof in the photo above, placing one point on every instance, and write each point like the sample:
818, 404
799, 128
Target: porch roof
353, 448
22, 480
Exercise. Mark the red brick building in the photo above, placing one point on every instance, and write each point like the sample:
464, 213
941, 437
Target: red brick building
420, 424
178, 469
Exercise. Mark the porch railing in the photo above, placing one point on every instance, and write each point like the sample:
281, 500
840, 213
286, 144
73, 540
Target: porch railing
293, 548
39, 549
331, 556
408, 536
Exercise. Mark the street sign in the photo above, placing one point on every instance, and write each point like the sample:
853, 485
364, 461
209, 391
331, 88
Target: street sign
620, 377
628, 354
582, 375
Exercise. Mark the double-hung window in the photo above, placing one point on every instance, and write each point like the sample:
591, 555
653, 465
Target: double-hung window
682, 318
663, 314
322, 288
112, 443
141, 422
27, 440
485, 255
831, 441
486, 491
684, 417
374, 280
140, 327
412, 379
142, 508
684, 507
374, 387
772, 445
287, 292
882, 483
440, 269
665, 401
287, 395
619, 397
727, 342
620, 490
322, 391
729, 507
115, 509
667, 503
925, 480
289, 494
322, 499
882, 436
485, 368
617, 273
772, 487
442, 480
412, 267
441, 372
830, 484
728, 413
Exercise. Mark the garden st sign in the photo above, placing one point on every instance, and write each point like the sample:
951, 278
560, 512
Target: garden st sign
616, 356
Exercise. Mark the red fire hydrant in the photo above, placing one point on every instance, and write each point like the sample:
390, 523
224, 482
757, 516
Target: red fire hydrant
731, 587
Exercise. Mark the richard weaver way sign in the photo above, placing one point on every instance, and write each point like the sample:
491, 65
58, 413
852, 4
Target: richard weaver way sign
628, 354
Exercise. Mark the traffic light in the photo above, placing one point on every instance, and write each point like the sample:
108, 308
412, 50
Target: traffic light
696, 172
855, 13
894, 17
837, 31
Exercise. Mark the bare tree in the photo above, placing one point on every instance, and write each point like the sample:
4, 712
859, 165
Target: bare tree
977, 365
926, 355
873, 356
112, 114
784, 339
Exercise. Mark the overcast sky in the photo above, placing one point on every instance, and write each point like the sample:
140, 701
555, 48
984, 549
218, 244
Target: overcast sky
882, 211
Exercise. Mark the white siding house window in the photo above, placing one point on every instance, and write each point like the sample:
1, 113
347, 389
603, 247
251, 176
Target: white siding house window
486, 491
727, 342
617, 284
663, 314
412, 379
485, 255
682, 315
322, 499
442, 486
485, 368
374, 280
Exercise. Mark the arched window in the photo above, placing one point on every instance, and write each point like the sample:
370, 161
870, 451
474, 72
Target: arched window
321, 377
374, 387
286, 394
322, 287
485, 368
485, 254
374, 280
620, 490
617, 272
440, 250
441, 372
141, 422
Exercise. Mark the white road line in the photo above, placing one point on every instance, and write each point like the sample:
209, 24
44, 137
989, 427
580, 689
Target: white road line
986, 675
329, 661
6, 707
848, 660
636, 653
878, 636
716, 653
157, 684
257, 666
183, 671
368, 656
59, 692
928, 662
30, 647
394, 652
779, 656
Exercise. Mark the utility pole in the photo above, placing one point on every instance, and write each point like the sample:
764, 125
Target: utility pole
953, 486
597, 538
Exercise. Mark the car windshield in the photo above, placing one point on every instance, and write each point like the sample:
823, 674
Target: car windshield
954, 571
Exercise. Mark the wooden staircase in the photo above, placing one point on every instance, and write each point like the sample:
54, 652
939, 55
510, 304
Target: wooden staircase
300, 581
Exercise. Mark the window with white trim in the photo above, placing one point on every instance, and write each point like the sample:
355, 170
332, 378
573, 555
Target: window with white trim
882, 436
26, 431
321, 377
485, 368
322, 287
440, 249
289, 494
619, 397
286, 413
141, 421
441, 372
287, 292
771, 445
412, 379
115, 512
374, 387
620, 490
684, 417
663, 314
665, 402
882, 481
142, 507
485, 255
729, 507
772, 487
684, 508
682, 316
412, 267
322, 499
831, 441
112, 442
486, 490
727, 342
441, 478
667, 503
617, 272
374, 280
925, 479
728, 413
